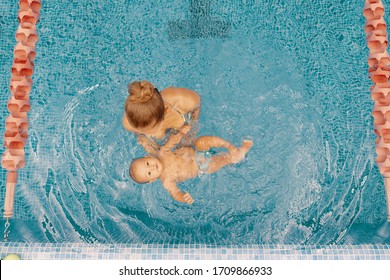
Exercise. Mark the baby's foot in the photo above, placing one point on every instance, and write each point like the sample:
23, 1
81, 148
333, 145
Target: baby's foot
238, 154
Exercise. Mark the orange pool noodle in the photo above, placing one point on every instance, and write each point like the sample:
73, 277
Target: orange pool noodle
35, 5
16, 134
27, 35
28, 18
20, 87
25, 68
24, 52
16, 106
379, 72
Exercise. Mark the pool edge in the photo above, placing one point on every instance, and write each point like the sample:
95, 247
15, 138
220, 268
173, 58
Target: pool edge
82, 251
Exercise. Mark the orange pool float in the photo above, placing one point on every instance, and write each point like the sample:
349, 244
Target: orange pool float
379, 72
16, 126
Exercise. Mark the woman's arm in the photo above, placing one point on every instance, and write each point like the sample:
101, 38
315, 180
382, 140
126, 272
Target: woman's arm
149, 146
175, 139
196, 113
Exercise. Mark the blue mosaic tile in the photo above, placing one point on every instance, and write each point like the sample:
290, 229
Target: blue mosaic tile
198, 252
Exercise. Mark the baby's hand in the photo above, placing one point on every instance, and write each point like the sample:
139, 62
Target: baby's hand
184, 129
188, 199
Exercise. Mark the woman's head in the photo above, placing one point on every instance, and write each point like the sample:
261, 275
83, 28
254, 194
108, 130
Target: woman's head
144, 106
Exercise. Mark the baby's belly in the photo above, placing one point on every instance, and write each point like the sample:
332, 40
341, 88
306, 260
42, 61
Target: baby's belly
187, 169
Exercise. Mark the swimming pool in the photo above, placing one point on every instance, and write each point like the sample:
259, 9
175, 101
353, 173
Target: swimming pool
290, 75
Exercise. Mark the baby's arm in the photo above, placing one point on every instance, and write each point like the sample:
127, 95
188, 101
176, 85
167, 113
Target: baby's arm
176, 193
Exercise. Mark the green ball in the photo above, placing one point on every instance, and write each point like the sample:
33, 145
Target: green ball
13, 257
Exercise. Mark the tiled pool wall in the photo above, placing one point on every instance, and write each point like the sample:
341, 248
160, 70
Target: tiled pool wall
80, 251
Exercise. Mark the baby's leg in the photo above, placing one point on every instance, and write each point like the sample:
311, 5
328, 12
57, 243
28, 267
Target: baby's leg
235, 155
205, 143
217, 162
239, 154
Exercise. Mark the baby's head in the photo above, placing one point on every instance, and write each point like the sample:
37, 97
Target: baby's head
145, 169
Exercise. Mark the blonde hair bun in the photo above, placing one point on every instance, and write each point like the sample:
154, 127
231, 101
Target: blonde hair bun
144, 105
140, 91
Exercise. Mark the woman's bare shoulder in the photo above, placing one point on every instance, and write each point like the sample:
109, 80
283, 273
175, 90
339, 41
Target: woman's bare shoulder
183, 99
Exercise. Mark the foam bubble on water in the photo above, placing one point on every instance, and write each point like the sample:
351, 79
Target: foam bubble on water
293, 233
91, 88
325, 218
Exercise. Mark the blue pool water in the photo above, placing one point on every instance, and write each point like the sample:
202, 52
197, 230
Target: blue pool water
290, 75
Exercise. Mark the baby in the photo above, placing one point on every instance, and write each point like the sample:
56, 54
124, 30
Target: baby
174, 166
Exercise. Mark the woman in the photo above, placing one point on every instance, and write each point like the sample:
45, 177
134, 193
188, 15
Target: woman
153, 115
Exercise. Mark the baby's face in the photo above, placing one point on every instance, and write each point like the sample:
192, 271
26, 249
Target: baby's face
147, 169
